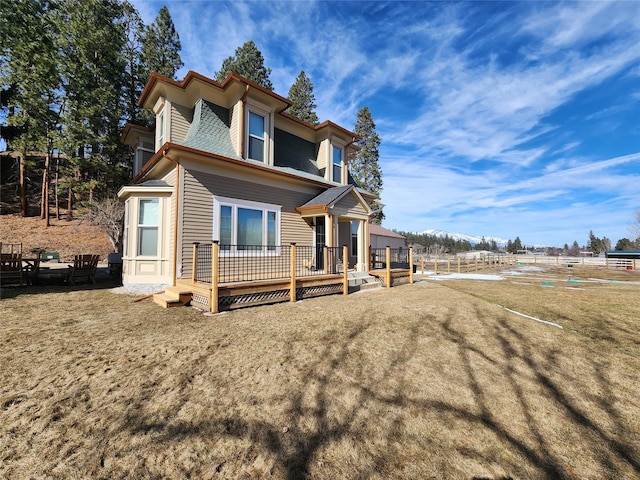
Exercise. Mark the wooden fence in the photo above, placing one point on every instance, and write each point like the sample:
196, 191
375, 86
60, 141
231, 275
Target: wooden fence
460, 264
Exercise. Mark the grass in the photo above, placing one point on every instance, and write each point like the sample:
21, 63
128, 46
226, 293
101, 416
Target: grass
431, 380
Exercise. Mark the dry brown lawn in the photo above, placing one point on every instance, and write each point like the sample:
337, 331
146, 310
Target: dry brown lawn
431, 380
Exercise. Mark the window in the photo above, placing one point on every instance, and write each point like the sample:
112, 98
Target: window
143, 155
160, 130
148, 227
354, 238
337, 164
243, 226
256, 136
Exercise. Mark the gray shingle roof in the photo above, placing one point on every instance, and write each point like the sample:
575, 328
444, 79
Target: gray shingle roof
210, 130
329, 196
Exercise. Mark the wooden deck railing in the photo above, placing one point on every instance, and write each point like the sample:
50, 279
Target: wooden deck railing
261, 268
252, 263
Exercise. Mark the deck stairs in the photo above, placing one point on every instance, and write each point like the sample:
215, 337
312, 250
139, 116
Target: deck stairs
173, 296
359, 281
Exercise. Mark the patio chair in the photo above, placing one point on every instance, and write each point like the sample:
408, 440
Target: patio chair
310, 264
84, 266
11, 268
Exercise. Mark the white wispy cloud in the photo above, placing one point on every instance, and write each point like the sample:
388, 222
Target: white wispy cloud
469, 99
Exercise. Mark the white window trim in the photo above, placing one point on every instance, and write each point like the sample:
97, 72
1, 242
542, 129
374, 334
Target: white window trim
138, 162
235, 204
157, 227
263, 110
342, 162
162, 109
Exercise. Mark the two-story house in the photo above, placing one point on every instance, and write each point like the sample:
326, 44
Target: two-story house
226, 163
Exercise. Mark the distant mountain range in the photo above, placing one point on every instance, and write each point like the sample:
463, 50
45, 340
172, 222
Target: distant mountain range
473, 240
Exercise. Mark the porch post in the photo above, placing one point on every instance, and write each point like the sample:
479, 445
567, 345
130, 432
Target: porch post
411, 265
292, 273
213, 297
194, 263
361, 263
345, 269
388, 259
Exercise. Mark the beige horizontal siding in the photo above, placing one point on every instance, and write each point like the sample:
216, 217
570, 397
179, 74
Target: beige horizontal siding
351, 203
197, 221
181, 118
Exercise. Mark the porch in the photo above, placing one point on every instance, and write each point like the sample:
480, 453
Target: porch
226, 277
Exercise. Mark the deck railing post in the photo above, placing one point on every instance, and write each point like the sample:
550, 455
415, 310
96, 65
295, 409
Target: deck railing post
411, 265
345, 270
292, 287
213, 297
325, 260
194, 263
388, 259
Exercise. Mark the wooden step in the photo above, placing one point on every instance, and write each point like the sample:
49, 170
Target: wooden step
173, 297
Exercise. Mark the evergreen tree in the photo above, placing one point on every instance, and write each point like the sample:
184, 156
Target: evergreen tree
28, 71
247, 62
301, 94
135, 74
364, 166
161, 46
625, 244
92, 69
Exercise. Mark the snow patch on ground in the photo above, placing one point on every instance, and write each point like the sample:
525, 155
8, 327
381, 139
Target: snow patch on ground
467, 276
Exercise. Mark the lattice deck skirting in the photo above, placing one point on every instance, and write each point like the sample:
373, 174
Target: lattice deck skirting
319, 290
201, 300
247, 299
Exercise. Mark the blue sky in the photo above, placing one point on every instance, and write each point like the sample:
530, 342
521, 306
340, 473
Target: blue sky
497, 118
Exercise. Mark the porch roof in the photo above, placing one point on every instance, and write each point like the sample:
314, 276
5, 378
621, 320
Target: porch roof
328, 197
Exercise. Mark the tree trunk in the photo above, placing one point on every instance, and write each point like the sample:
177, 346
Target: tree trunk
56, 188
44, 203
21, 185
69, 205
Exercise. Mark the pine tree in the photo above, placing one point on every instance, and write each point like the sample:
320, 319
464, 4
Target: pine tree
247, 62
135, 69
161, 46
92, 67
301, 94
28, 62
364, 166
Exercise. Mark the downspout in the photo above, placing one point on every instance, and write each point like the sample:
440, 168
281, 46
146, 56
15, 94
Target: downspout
242, 110
175, 224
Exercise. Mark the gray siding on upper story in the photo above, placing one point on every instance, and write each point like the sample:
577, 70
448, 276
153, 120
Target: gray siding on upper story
295, 152
197, 213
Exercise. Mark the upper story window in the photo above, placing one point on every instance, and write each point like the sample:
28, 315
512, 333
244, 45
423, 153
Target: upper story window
144, 152
257, 137
148, 222
337, 164
160, 134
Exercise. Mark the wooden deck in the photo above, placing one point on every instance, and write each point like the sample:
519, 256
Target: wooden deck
245, 294
394, 276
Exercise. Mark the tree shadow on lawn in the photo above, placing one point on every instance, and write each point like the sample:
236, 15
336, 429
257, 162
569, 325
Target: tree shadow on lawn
534, 382
103, 281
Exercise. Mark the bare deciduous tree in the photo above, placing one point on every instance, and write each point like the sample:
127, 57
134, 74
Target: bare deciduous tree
109, 215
